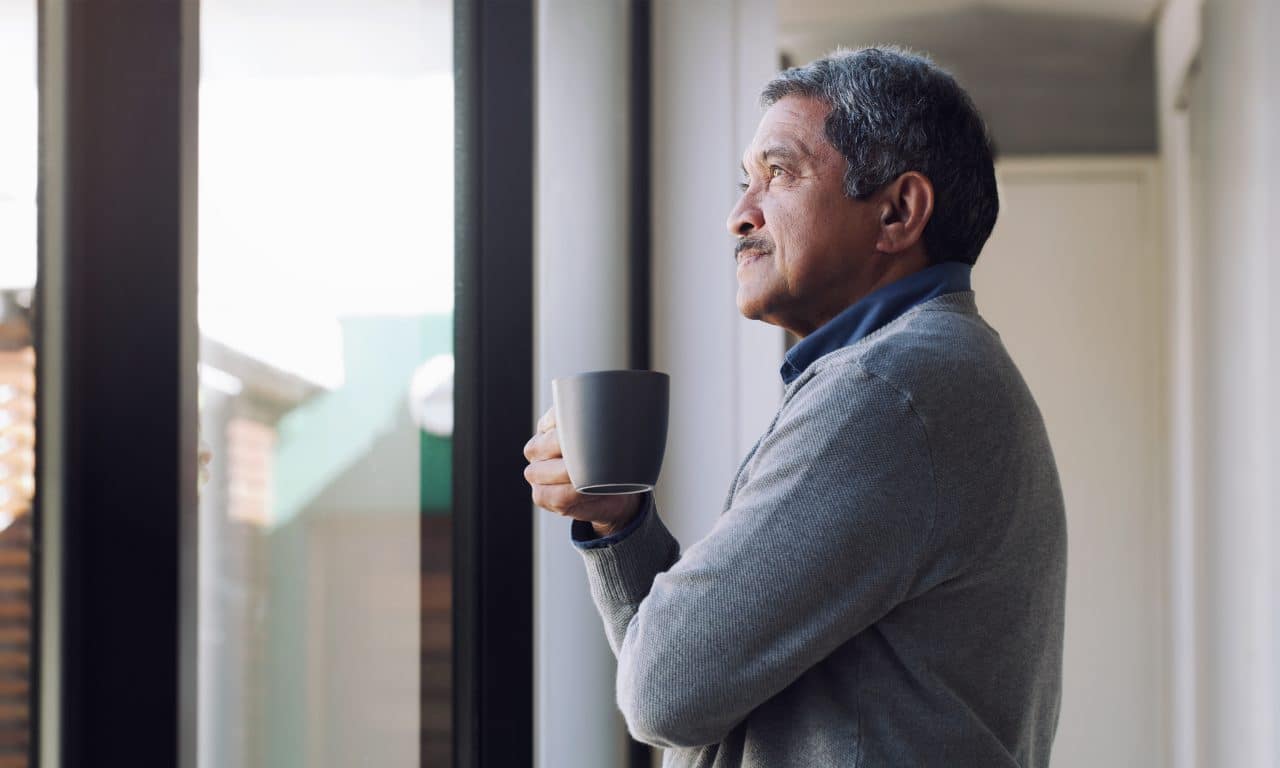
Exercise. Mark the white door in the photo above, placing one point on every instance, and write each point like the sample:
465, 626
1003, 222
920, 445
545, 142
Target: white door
1073, 280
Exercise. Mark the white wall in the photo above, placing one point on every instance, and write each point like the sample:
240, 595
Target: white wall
711, 58
580, 310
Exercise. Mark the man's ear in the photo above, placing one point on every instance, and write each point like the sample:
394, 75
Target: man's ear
905, 205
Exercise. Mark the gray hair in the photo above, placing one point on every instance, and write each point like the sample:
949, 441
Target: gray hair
894, 111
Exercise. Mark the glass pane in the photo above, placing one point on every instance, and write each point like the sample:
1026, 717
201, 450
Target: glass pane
326, 312
18, 163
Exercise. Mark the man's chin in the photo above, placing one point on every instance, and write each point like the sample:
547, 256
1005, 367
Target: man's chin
752, 310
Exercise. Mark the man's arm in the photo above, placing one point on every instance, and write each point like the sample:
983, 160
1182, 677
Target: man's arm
822, 539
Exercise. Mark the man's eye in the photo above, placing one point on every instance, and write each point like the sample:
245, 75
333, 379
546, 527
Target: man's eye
775, 171
742, 186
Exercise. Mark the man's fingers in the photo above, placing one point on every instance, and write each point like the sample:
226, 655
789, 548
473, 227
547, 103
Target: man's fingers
547, 472
548, 420
555, 498
544, 445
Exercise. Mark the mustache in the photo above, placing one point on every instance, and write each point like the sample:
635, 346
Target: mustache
759, 243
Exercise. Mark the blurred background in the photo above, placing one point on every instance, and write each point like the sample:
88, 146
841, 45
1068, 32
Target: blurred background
1131, 275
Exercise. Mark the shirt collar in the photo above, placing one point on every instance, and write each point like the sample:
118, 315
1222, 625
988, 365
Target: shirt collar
873, 311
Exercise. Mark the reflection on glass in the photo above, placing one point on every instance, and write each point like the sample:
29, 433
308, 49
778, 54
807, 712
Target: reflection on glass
326, 310
18, 163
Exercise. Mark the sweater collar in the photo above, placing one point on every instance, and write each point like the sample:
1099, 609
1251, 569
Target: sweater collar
873, 311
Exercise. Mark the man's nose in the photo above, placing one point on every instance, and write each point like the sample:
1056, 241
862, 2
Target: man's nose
745, 217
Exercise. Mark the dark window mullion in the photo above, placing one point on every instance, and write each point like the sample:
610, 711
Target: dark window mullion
493, 351
127, 391
641, 261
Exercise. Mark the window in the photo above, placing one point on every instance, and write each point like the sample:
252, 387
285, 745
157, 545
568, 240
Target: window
326, 328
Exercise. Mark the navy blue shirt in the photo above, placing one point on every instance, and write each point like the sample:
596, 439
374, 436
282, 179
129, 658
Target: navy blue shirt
864, 316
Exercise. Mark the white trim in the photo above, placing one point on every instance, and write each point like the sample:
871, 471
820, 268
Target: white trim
1177, 50
1184, 317
1178, 37
52, 288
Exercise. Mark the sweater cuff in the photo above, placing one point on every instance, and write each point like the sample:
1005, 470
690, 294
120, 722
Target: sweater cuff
623, 571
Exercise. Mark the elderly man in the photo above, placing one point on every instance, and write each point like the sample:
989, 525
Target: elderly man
885, 584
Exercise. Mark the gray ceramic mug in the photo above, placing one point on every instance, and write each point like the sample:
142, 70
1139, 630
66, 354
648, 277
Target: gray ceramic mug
613, 429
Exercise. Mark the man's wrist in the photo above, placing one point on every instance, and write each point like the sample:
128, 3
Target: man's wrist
608, 529
602, 530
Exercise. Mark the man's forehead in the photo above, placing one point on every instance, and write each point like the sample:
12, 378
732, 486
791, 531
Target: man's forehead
793, 125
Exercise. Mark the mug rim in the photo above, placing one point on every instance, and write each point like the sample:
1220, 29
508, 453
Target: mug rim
614, 489
618, 372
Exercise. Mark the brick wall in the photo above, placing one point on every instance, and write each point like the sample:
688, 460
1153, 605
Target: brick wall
17, 487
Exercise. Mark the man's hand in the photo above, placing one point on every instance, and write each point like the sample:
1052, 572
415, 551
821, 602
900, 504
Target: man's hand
553, 491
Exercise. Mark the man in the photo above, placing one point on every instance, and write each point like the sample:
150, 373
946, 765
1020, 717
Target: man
885, 584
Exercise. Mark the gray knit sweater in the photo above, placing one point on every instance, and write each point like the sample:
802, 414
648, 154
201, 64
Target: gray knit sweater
884, 585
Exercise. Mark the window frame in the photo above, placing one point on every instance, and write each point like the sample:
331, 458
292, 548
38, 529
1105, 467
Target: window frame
493, 384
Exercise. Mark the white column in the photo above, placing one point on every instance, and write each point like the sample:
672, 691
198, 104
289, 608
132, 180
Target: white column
1229, 424
1237, 245
580, 309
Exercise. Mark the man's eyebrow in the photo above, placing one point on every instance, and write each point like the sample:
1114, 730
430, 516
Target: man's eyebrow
782, 152
786, 153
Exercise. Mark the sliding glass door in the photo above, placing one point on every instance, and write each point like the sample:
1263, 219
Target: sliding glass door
325, 311
279, 533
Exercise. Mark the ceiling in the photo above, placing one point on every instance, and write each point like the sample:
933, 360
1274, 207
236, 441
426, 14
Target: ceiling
1048, 78
802, 14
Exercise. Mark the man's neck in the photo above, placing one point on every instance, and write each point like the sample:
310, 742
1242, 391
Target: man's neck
884, 270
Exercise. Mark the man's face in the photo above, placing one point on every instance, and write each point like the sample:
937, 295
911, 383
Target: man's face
803, 246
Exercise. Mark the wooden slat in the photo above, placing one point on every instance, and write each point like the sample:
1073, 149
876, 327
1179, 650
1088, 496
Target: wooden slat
15, 610
15, 558
15, 634
437, 594
437, 635
437, 715
14, 660
14, 687
15, 580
